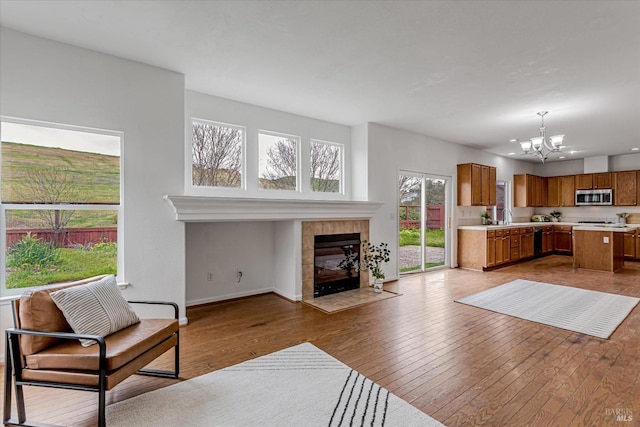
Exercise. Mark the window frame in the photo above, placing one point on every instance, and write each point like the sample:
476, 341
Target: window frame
341, 190
204, 189
298, 139
120, 276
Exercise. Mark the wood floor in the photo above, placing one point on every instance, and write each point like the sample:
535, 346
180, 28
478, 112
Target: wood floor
459, 364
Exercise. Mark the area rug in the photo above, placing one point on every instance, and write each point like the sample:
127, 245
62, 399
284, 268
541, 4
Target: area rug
579, 310
297, 386
349, 299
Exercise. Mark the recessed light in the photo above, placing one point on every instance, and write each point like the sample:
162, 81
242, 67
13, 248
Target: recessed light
635, 149
572, 152
514, 140
562, 157
511, 154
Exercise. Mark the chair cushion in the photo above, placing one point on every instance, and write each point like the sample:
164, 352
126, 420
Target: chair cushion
37, 311
122, 347
97, 308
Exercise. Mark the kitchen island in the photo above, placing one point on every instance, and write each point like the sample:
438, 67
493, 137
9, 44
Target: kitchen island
599, 247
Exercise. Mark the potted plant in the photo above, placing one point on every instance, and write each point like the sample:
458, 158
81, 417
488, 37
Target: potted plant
556, 216
486, 217
372, 258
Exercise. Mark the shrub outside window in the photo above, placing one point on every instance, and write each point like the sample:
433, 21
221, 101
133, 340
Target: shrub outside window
216, 159
60, 203
278, 161
326, 167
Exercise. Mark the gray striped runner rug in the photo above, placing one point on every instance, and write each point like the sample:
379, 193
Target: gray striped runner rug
297, 386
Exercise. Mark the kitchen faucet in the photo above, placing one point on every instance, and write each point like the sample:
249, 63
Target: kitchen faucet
504, 211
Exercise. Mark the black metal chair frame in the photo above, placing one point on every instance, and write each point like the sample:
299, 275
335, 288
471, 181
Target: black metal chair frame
13, 368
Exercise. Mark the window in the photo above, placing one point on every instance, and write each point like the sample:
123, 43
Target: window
326, 167
60, 203
502, 202
216, 159
278, 161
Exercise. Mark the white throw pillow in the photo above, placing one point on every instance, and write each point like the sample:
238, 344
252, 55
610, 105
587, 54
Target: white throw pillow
97, 308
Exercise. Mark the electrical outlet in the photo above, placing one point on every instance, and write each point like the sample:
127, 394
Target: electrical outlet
605, 240
210, 277
239, 274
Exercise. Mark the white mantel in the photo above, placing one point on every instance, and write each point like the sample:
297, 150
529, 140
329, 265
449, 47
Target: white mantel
210, 209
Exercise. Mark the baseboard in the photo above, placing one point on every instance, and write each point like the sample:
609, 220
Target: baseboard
207, 300
290, 297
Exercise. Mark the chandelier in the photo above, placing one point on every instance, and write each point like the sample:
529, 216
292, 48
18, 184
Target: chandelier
540, 146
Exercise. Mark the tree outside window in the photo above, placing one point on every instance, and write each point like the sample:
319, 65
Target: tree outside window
216, 154
326, 167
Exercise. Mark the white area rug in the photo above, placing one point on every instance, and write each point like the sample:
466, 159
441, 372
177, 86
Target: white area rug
579, 310
297, 386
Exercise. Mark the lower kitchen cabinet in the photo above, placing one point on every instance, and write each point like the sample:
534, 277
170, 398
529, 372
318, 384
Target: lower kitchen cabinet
562, 239
547, 239
631, 245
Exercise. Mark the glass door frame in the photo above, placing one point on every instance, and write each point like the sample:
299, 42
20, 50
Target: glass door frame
447, 215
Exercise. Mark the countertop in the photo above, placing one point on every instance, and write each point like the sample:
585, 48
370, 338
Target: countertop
576, 225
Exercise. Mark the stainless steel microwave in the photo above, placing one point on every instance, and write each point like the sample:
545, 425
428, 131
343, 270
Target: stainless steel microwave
594, 197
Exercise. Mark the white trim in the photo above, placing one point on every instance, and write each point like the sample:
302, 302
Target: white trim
212, 209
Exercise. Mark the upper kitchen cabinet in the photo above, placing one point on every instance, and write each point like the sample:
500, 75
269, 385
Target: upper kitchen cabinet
529, 191
625, 188
590, 181
476, 185
561, 191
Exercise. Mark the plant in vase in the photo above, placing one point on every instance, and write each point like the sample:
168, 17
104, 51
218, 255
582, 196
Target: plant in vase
556, 215
372, 258
486, 217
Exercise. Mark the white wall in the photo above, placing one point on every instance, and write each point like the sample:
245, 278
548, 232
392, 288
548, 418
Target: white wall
223, 247
574, 167
54, 82
391, 150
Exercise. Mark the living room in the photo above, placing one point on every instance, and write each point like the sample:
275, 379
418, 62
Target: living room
53, 82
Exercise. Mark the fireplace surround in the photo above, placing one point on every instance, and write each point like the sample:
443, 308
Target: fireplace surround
338, 229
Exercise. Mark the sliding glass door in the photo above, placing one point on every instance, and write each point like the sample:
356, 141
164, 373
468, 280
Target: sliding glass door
423, 216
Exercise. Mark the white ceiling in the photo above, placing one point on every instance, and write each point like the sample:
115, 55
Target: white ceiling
470, 72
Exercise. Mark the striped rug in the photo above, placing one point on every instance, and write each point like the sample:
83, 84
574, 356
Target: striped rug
578, 310
297, 386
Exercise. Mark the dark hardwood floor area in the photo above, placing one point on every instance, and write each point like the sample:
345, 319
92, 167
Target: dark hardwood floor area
462, 365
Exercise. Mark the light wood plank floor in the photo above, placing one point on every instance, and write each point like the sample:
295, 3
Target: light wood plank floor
461, 365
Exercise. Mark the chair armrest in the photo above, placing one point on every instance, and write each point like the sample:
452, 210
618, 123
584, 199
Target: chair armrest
173, 304
61, 335
12, 336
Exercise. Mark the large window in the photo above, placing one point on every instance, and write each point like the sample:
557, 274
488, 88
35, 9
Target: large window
278, 161
61, 204
326, 167
216, 150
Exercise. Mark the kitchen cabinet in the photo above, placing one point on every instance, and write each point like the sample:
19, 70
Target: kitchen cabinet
630, 244
561, 191
476, 185
590, 181
567, 191
529, 190
553, 191
625, 188
638, 244
514, 253
547, 239
562, 239
526, 242
491, 248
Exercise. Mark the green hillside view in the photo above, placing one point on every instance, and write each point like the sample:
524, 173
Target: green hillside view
96, 176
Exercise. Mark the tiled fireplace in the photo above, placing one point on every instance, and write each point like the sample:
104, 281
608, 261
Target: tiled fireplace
311, 229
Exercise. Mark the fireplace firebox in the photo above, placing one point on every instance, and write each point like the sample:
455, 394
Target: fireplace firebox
336, 258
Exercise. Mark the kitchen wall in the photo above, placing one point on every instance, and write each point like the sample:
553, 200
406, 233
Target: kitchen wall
54, 82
